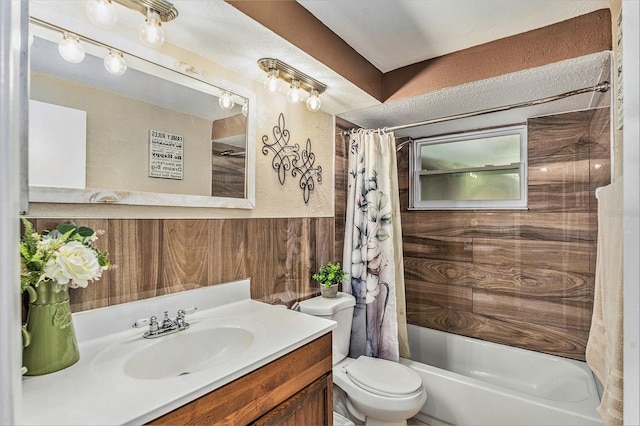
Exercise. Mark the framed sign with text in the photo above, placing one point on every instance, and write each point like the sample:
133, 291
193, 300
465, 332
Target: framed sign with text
165, 155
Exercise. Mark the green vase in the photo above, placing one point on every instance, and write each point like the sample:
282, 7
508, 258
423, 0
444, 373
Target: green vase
53, 345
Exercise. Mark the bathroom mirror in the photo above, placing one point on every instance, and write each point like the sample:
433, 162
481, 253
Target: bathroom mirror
149, 136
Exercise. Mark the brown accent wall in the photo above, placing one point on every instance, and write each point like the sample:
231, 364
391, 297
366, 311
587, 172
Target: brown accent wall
162, 256
520, 278
580, 36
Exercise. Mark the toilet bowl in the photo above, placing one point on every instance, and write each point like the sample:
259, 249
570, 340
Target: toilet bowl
339, 420
377, 391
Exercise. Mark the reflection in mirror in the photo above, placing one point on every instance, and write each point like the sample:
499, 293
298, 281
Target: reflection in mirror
122, 138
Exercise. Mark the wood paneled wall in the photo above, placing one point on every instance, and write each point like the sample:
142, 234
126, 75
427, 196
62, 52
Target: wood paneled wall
341, 167
162, 256
520, 278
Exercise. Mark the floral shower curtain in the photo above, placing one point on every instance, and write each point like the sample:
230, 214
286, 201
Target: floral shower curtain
373, 248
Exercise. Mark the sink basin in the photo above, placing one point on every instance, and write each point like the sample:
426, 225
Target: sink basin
207, 343
183, 352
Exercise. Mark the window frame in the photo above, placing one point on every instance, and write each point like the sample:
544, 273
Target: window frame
415, 171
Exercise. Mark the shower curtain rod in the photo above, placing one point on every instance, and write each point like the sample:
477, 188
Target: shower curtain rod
602, 87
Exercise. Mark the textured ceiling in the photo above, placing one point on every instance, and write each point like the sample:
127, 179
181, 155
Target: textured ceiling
523, 86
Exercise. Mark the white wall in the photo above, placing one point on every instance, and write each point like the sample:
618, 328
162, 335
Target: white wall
631, 208
12, 13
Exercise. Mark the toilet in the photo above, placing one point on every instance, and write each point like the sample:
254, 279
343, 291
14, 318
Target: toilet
378, 391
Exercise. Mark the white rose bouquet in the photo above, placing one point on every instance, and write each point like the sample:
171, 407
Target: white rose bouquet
66, 255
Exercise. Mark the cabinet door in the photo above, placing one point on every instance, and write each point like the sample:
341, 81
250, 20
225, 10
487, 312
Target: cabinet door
310, 406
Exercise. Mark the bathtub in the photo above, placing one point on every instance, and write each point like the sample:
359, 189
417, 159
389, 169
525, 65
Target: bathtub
473, 382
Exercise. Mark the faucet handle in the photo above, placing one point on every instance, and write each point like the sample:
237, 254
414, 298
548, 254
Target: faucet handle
182, 324
151, 322
141, 323
187, 311
168, 323
153, 325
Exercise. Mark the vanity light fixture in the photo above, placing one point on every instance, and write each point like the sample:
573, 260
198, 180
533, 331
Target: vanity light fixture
226, 101
151, 33
102, 13
300, 84
72, 51
313, 101
295, 92
271, 83
70, 48
245, 108
114, 62
166, 11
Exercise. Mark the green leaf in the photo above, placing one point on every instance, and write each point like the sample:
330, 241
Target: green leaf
63, 228
382, 200
382, 235
28, 228
386, 218
85, 232
25, 252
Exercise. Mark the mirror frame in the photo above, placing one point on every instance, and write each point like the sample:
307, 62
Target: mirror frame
42, 194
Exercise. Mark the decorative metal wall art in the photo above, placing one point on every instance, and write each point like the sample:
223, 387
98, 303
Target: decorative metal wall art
289, 158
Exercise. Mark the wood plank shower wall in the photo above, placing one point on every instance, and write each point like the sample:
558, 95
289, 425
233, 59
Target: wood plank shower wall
521, 278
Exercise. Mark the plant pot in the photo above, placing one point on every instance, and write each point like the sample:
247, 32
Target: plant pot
53, 345
329, 292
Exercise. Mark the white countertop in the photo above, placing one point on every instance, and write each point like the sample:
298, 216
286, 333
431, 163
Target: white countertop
91, 392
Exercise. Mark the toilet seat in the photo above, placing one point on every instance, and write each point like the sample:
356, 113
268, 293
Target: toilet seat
384, 377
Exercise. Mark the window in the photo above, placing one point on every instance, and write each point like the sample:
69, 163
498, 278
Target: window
476, 170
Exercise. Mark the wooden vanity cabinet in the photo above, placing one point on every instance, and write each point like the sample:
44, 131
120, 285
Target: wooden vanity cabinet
295, 389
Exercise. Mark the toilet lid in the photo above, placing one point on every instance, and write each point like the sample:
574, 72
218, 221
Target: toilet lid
383, 377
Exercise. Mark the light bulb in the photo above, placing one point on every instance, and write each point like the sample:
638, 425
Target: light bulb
114, 62
295, 92
226, 101
70, 49
245, 109
313, 102
271, 83
151, 33
102, 13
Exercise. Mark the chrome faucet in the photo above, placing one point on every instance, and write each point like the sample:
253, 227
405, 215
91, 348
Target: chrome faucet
180, 322
168, 325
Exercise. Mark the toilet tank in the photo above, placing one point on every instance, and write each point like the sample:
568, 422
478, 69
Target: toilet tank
338, 309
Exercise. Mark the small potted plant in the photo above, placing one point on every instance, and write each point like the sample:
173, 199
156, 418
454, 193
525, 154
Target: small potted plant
330, 276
